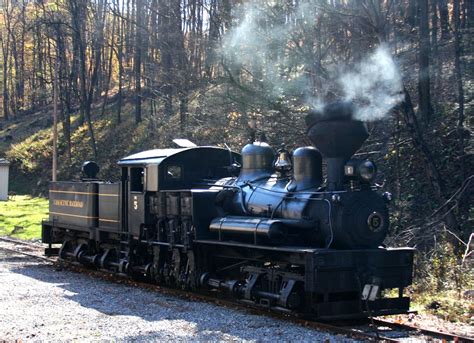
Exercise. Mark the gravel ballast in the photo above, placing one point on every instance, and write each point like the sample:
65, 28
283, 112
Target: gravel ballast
38, 302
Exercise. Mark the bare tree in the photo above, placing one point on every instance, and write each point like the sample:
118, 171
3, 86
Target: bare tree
459, 80
5, 42
137, 62
425, 108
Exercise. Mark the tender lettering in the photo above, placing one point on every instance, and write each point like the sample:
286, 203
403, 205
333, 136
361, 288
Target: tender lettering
68, 203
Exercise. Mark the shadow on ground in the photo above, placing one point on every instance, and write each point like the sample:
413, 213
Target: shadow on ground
201, 321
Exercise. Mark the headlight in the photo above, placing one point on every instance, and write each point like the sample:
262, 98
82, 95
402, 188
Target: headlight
387, 196
367, 170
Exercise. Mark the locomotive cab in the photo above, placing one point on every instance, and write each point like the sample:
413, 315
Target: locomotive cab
153, 181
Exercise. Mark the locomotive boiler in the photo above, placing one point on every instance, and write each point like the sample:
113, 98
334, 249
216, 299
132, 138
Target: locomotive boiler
287, 199
300, 231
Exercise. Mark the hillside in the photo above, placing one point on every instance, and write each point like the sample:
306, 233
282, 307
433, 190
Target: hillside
30, 148
26, 141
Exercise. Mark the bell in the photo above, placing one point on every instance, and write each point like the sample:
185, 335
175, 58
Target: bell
283, 163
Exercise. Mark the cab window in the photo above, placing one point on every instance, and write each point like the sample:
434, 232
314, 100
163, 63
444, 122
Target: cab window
137, 177
173, 172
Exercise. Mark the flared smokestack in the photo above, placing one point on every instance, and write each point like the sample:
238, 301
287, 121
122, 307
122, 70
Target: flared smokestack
337, 136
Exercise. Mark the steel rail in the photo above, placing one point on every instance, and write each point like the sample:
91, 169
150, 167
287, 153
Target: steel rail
19, 241
28, 254
430, 332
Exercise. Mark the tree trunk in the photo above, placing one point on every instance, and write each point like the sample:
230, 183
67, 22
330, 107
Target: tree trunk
459, 84
412, 13
137, 61
64, 88
167, 55
469, 4
21, 84
119, 52
33, 77
443, 16
183, 70
5, 76
110, 65
78, 15
434, 49
97, 43
40, 70
14, 54
55, 119
424, 108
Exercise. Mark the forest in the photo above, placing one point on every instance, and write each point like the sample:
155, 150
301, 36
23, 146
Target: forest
122, 76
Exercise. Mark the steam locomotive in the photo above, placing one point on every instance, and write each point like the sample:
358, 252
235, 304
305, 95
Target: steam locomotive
265, 228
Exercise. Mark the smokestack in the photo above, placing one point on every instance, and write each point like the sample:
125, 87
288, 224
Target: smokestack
337, 136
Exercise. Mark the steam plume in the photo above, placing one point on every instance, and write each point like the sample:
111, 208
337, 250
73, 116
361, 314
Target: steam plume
264, 45
374, 85
269, 43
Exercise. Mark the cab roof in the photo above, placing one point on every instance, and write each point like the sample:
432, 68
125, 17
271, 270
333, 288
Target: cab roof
157, 156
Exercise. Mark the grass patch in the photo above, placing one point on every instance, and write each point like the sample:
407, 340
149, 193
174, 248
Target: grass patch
25, 212
443, 285
448, 305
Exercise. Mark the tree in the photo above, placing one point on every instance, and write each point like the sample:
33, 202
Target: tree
137, 62
443, 16
458, 77
78, 12
425, 108
5, 43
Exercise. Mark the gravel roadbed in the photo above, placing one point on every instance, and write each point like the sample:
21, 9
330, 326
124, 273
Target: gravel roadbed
39, 303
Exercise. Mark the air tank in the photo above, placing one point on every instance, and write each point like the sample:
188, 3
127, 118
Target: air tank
257, 161
307, 169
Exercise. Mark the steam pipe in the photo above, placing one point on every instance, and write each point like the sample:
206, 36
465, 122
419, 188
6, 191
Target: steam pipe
335, 173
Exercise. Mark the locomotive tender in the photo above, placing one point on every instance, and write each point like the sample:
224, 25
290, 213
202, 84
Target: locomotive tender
266, 229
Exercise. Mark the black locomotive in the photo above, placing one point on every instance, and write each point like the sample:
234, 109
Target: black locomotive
266, 229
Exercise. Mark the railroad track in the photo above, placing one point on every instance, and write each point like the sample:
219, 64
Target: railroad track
34, 251
443, 336
377, 330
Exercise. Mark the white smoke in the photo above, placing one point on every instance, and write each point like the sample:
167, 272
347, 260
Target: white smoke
374, 85
264, 45
267, 47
